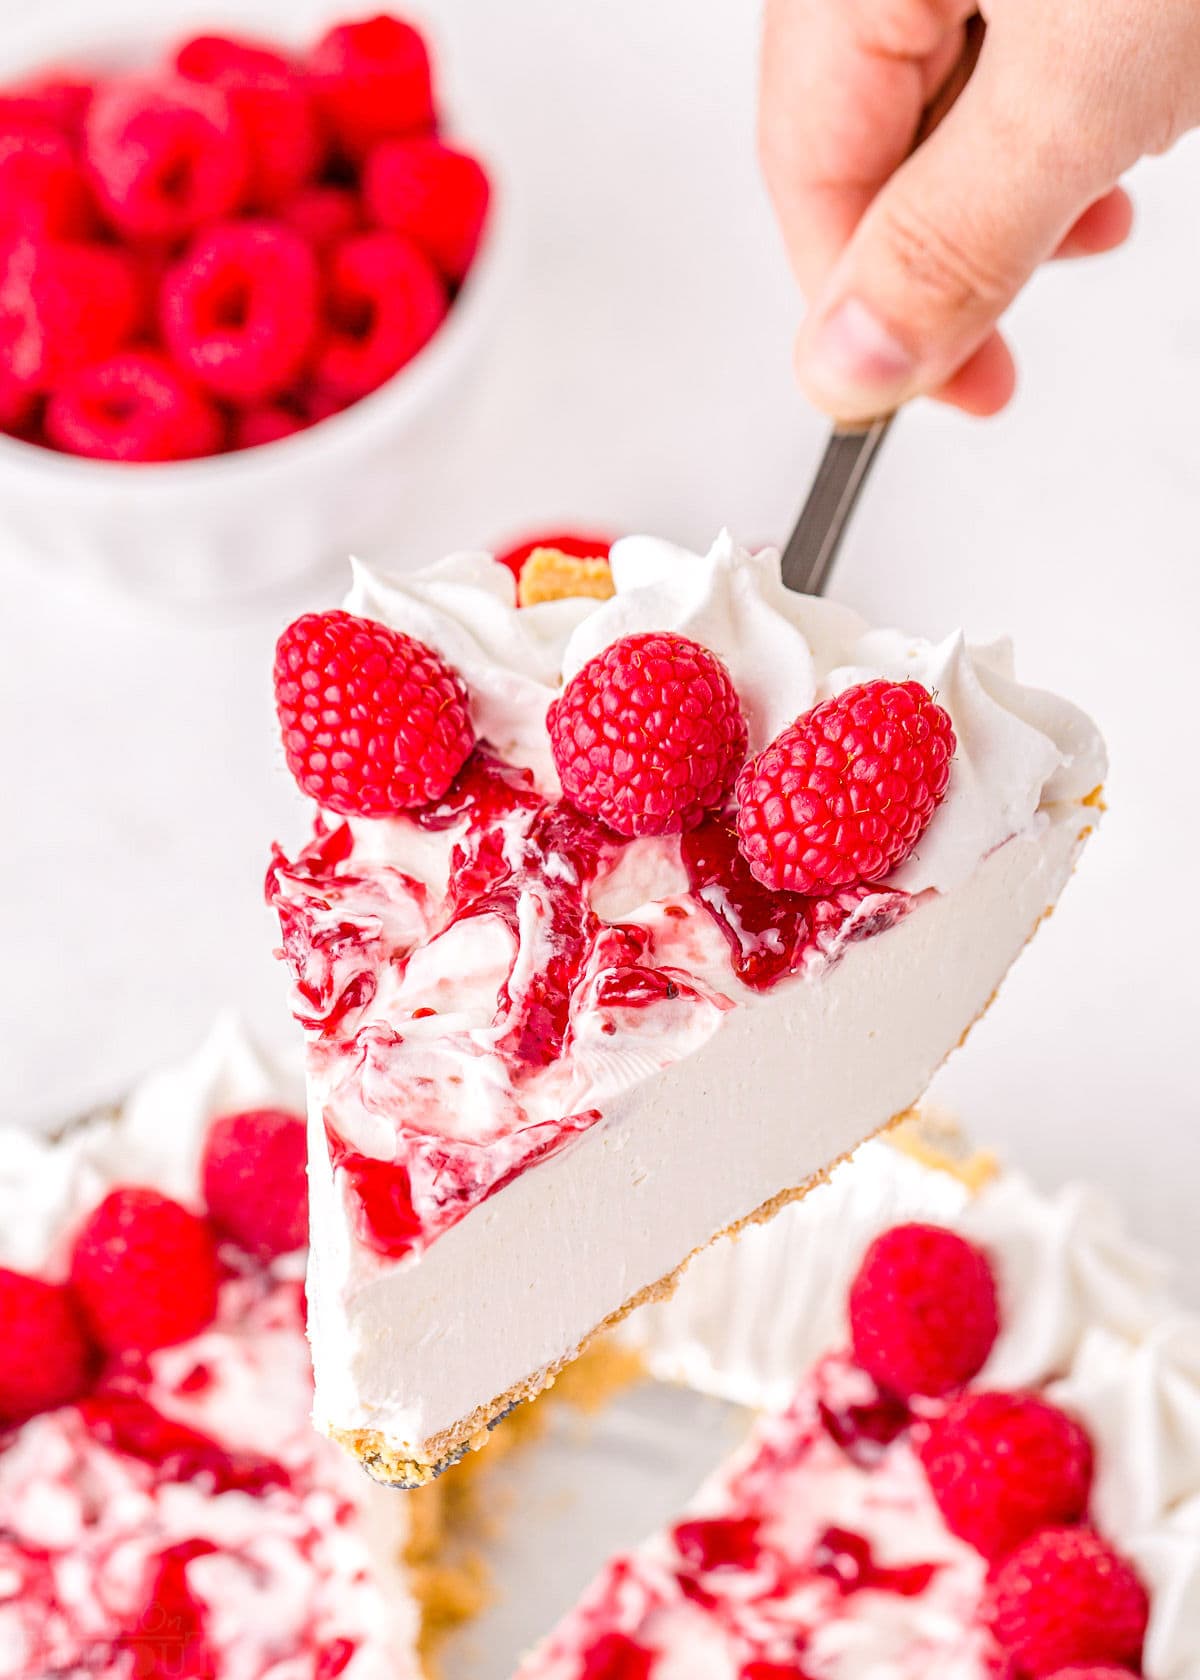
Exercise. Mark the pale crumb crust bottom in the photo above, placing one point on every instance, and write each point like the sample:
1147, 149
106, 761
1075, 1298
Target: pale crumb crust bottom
549, 575
935, 1141
394, 1465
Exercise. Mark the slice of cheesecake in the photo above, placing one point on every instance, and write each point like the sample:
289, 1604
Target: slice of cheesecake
555, 1045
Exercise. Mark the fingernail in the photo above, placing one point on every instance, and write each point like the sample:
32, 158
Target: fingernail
852, 363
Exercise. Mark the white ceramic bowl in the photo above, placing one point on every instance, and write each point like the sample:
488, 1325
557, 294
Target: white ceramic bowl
192, 533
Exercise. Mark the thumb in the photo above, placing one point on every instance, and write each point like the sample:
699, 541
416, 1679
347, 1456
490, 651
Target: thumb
946, 246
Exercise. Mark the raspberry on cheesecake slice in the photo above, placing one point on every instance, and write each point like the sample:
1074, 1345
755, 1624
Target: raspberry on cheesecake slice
625, 915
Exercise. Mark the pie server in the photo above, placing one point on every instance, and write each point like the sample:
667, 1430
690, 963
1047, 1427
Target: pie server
813, 546
852, 448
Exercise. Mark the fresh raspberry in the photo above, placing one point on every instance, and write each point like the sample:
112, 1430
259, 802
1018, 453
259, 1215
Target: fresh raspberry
18, 404
372, 80
63, 305
843, 794
269, 424
1001, 1466
319, 404
43, 194
923, 1313
434, 195
269, 98
165, 156
239, 311
384, 301
1092, 1671
145, 1271
322, 214
579, 545
57, 100
133, 407
46, 1358
648, 736
1065, 1597
373, 721
253, 1172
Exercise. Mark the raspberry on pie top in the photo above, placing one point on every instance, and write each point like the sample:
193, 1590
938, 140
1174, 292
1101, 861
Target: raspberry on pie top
822, 1546
547, 997
170, 1510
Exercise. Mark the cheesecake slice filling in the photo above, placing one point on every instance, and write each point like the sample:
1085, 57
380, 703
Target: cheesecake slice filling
547, 1063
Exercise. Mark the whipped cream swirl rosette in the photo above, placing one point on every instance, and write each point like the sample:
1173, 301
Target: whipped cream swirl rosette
1020, 750
1086, 1315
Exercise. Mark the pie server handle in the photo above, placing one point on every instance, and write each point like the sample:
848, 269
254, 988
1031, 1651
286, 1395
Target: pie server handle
813, 545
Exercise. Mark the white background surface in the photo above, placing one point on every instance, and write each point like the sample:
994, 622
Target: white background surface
641, 381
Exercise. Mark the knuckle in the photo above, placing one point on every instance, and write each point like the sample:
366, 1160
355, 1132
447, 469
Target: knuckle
904, 28
954, 269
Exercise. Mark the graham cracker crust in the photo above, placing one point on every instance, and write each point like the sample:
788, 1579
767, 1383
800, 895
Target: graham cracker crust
452, 1519
550, 575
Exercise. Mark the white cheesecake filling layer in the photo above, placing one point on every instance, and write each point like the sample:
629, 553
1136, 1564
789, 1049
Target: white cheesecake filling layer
783, 1087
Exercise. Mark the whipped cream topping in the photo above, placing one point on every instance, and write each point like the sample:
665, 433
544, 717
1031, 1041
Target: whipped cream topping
264, 1551
1019, 748
1086, 1313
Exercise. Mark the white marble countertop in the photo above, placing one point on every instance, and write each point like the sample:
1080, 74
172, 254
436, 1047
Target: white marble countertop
643, 383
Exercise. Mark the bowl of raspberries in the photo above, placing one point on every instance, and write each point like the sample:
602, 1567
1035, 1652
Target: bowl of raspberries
243, 284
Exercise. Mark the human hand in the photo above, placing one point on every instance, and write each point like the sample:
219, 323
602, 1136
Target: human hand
908, 262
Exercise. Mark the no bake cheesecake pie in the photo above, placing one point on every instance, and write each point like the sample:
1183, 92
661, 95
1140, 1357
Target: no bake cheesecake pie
622, 921
980, 1454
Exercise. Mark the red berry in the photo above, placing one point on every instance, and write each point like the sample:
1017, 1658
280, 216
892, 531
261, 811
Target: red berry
165, 156
145, 1271
434, 195
372, 80
269, 98
239, 311
134, 407
384, 301
322, 214
1092, 1671
45, 1360
648, 736
843, 794
253, 1172
269, 424
43, 193
923, 1313
579, 545
319, 404
57, 100
373, 721
63, 305
1001, 1466
18, 404
1066, 1597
